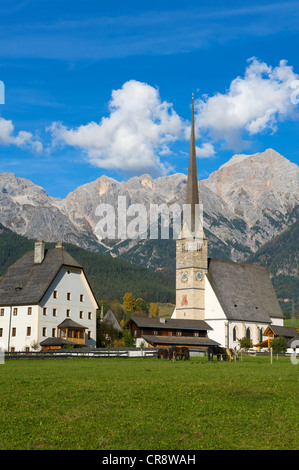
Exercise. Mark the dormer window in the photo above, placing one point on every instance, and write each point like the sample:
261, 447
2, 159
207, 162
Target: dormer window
18, 289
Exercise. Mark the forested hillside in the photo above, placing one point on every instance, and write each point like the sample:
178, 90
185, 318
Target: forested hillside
109, 277
280, 255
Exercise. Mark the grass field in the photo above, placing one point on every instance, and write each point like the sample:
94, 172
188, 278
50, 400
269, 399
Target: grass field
147, 404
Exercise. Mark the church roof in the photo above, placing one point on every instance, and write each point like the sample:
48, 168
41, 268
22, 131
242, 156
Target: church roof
26, 282
245, 291
192, 197
180, 340
169, 323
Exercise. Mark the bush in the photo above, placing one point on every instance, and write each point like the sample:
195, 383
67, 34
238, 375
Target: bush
279, 345
245, 343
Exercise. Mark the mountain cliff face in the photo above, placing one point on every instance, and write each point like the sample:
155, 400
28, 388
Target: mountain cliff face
246, 202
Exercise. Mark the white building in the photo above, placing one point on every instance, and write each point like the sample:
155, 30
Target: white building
40, 294
235, 299
240, 301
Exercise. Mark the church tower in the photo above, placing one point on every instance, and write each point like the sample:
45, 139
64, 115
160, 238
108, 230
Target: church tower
191, 248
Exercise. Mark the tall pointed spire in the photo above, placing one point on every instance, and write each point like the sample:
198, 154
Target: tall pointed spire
192, 182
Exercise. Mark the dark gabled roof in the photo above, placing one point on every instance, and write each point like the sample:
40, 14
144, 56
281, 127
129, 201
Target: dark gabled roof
171, 323
56, 342
68, 323
109, 319
245, 291
293, 342
26, 282
286, 331
180, 340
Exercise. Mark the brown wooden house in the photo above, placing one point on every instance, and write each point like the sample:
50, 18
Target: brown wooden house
161, 332
275, 331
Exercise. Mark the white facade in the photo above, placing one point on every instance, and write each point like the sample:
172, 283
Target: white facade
68, 296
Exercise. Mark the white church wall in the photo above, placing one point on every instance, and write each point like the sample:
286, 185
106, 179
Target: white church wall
223, 329
214, 315
277, 321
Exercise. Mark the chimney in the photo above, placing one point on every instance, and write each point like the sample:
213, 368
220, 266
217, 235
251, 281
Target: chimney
39, 251
59, 245
162, 320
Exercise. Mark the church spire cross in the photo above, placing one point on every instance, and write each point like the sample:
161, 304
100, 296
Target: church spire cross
192, 197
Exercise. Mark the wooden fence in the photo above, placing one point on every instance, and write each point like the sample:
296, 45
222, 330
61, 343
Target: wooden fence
92, 353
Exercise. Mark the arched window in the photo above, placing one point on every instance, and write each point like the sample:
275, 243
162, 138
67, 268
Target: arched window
235, 333
248, 333
260, 335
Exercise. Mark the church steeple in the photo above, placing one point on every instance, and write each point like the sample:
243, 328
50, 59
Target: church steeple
192, 182
191, 248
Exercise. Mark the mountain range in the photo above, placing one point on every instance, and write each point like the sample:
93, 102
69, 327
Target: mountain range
246, 202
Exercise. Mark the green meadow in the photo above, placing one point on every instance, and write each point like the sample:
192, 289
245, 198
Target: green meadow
149, 404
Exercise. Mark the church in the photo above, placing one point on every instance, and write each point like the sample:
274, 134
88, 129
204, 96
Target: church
235, 299
218, 302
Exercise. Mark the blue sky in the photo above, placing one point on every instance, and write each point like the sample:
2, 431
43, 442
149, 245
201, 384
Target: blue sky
95, 88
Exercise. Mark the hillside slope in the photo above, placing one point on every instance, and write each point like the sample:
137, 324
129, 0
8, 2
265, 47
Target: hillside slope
109, 277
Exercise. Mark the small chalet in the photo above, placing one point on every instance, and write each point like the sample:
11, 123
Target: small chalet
274, 331
161, 332
70, 333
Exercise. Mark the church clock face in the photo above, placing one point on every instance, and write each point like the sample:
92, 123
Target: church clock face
198, 276
184, 276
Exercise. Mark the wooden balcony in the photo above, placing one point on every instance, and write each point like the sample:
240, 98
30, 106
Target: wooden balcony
72, 331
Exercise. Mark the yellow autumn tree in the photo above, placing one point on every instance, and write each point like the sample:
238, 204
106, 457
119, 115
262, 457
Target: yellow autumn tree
153, 309
128, 302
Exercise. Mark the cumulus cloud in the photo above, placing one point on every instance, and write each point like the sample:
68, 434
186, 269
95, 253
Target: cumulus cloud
206, 150
134, 137
21, 139
253, 104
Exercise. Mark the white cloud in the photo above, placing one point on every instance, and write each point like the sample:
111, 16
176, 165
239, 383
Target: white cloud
21, 139
205, 151
135, 135
253, 104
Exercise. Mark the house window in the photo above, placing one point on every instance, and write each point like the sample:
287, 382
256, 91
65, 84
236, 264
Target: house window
248, 333
1, 332
155, 332
89, 335
13, 332
44, 331
29, 310
68, 313
196, 333
81, 298
179, 333
54, 312
15, 311
2, 312
53, 332
89, 316
68, 296
81, 314
45, 311
55, 294
28, 333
